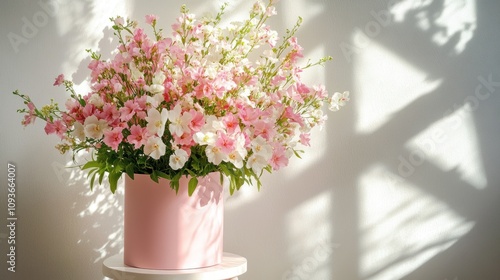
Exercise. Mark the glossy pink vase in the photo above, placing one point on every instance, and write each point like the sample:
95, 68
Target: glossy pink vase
165, 230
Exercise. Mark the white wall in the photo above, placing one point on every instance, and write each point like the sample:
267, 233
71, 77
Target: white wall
401, 184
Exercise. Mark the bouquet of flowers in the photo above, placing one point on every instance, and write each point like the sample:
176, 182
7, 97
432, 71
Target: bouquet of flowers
208, 98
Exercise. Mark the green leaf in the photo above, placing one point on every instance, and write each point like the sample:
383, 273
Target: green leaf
154, 176
163, 175
101, 175
129, 169
193, 183
232, 185
296, 152
92, 180
174, 184
195, 164
91, 164
192, 173
113, 180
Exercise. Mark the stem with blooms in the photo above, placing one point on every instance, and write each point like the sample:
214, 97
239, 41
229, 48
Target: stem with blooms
209, 98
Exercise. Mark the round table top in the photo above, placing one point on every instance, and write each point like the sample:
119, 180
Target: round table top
232, 266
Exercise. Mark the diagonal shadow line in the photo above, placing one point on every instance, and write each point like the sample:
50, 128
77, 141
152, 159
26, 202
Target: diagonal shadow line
450, 179
461, 203
408, 256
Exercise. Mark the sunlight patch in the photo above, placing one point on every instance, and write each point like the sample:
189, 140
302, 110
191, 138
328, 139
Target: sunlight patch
310, 244
451, 143
401, 227
95, 18
385, 90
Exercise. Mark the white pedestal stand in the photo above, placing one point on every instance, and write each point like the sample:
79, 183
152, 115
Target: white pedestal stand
231, 267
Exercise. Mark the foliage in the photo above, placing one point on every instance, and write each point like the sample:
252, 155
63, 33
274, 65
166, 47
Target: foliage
208, 98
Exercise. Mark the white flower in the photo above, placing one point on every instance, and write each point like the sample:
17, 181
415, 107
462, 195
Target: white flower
270, 56
179, 123
215, 154
135, 73
159, 78
178, 159
239, 153
157, 121
157, 85
119, 21
78, 131
259, 7
211, 70
338, 100
239, 145
213, 124
155, 100
154, 89
261, 148
96, 100
204, 138
235, 158
256, 162
117, 87
94, 128
154, 147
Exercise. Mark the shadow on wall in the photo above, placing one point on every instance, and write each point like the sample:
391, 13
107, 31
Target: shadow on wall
423, 182
404, 182
409, 175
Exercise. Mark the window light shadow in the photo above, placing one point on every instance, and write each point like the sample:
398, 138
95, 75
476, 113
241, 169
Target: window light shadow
339, 234
438, 204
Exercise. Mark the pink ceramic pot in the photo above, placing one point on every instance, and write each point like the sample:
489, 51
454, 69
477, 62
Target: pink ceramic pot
163, 230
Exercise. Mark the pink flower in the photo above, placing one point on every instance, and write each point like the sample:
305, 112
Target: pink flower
296, 51
302, 88
305, 139
56, 127
128, 110
28, 119
59, 80
264, 129
31, 116
147, 48
88, 110
139, 35
225, 143
110, 114
276, 80
142, 102
185, 139
231, 123
138, 136
249, 115
320, 91
197, 121
235, 101
279, 158
151, 19
289, 114
117, 87
113, 137
119, 21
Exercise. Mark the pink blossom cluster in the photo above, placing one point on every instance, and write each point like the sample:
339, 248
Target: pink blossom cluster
232, 92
